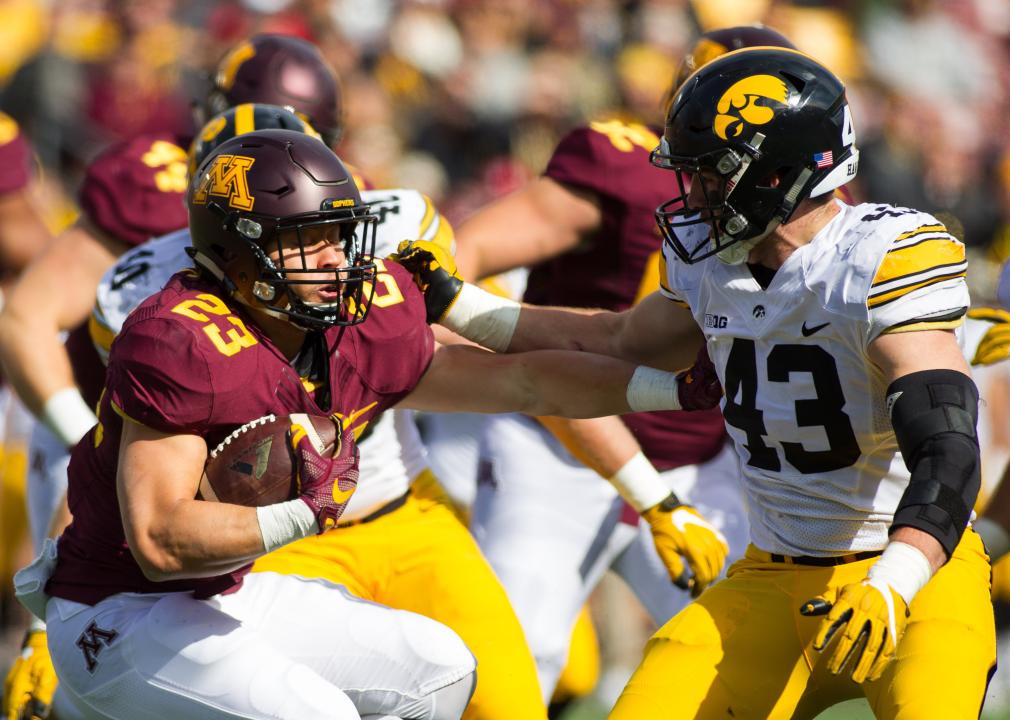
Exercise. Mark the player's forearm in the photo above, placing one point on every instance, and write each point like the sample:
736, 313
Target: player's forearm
603, 444
551, 328
34, 359
923, 542
196, 539
586, 385
607, 446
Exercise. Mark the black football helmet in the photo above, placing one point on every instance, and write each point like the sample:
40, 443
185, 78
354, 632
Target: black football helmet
280, 70
758, 131
260, 184
241, 119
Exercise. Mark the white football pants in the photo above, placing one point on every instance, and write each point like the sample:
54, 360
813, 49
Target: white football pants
281, 647
48, 459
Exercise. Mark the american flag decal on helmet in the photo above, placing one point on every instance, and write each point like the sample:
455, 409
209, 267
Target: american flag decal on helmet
824, 159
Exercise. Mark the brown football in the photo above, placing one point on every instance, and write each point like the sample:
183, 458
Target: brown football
253, 466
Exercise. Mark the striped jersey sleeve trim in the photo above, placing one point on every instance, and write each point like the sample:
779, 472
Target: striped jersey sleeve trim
101, 334
916, 259
430, 214
876, 300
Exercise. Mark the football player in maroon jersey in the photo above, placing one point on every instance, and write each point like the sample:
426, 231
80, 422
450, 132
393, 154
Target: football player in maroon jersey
131, 192
587, 230
147, 600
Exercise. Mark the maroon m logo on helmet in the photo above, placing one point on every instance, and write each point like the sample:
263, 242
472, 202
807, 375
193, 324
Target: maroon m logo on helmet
227, 177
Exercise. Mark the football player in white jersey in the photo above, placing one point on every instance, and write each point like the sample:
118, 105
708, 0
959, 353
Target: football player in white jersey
847, 397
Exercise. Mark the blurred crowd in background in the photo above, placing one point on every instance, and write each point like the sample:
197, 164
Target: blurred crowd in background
465, 99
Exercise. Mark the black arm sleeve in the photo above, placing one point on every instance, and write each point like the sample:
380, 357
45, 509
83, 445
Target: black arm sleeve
934, 413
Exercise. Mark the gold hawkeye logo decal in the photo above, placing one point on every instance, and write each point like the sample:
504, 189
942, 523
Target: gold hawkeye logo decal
738, 106
227, 178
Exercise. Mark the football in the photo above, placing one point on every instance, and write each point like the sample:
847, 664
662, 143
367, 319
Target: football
254, 466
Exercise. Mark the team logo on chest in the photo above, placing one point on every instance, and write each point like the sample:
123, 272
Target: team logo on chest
227, 177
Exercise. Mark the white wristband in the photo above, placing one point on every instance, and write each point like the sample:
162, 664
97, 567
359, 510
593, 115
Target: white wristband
68, 416
483, 318
904, 567
285, 522
995, 538
639, 484
650, 389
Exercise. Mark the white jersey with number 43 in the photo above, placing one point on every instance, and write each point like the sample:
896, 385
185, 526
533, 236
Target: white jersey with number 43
804, 404
392, 454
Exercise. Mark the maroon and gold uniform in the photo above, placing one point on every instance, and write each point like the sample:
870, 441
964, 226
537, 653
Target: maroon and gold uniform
188, 361
620, 265
132, 192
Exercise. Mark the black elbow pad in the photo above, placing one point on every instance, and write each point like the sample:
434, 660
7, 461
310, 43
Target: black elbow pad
934, 413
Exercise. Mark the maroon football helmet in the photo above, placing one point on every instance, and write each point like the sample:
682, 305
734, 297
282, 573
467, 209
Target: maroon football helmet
280, 70
254, 187
714, 43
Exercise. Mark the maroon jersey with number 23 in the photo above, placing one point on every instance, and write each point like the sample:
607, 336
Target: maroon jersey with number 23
190, 361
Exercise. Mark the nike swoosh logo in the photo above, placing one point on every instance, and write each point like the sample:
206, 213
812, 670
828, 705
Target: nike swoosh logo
808, 331
342, 496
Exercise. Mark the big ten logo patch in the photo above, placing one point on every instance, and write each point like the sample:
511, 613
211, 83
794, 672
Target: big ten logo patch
227, 177
716, 321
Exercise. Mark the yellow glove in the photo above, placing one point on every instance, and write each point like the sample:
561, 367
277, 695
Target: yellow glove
995, 344
872, 617
31, 682
681, 533
434, 271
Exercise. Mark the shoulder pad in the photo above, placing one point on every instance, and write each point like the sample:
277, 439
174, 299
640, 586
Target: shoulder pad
134, 190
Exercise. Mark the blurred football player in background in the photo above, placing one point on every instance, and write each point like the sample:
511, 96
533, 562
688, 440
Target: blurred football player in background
587, 229
131, 192
847, 398
23, 235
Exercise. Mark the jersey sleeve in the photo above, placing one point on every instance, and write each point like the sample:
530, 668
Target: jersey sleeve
436, 228
397, 344
919, 282
135, 190
159, 379
592, 157
15, 156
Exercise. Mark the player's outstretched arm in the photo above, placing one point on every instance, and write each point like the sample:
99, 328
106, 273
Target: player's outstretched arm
464, 378
933, 405
652, 332
55, 293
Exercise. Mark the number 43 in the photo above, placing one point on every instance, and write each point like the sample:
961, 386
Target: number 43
825, 410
